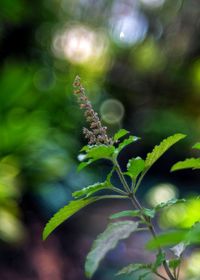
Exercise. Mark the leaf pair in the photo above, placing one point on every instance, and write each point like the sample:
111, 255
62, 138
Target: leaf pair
109, 152
188, 237
193, 163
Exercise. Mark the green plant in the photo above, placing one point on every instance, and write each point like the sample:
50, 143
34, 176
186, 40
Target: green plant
100, 146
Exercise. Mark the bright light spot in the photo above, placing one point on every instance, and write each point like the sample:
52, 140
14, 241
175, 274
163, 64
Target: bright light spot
193, 268
121, 35
161, 193
112, 111
11, 228
79, 44
81, 157
132, 28
153, 3
183, 215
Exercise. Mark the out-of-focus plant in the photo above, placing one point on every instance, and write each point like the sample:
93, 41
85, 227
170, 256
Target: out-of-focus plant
12, 229
101, 146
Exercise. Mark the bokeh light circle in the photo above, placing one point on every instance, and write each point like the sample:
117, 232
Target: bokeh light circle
112, 111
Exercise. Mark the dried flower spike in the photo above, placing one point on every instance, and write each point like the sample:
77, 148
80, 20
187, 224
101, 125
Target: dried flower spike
97, 133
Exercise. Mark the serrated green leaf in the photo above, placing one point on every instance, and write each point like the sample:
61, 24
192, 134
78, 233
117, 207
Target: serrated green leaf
122, 132
125, 143
193, 163
196, 146
167, 239
170, 202
67, 211
126, 213
134, 167
131, 268
90, 190
107, 241
159, 150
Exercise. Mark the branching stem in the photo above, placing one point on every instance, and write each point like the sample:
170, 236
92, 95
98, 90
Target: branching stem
138, 206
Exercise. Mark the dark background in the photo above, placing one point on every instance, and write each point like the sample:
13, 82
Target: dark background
140, 64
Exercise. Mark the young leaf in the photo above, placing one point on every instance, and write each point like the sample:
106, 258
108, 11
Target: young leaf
167, 239
170, 202
196, 146
193, 163
159, 150
131, 268
100, 152
134, 213
134, 167
128, 213
90, 190
107, 241
122, 132
125, 143
174, 263
67, 211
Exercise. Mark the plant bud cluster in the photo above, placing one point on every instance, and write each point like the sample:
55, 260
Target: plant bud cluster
97, 134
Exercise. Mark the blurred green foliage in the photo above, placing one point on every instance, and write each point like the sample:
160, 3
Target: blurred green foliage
142, 54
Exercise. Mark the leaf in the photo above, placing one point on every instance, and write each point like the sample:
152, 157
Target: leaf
134, 167
122, 132
67, 211
174, 263
127, 213
134, 213
84, 164
96, 152
148, 212
125, 143
170, 202
64, 213
167, 239
107, 241
88, 191
100, 151
142, 276
131, 268
193, 163
196, 146
193, 235
159, 150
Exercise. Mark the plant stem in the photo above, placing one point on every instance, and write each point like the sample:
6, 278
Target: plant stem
159, 275
138, 206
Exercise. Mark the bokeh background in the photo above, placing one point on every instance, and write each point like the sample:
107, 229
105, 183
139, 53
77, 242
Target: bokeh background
139, 61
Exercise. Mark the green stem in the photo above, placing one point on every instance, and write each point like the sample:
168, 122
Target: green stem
121, 177
138, 206
117, 190
140, 180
